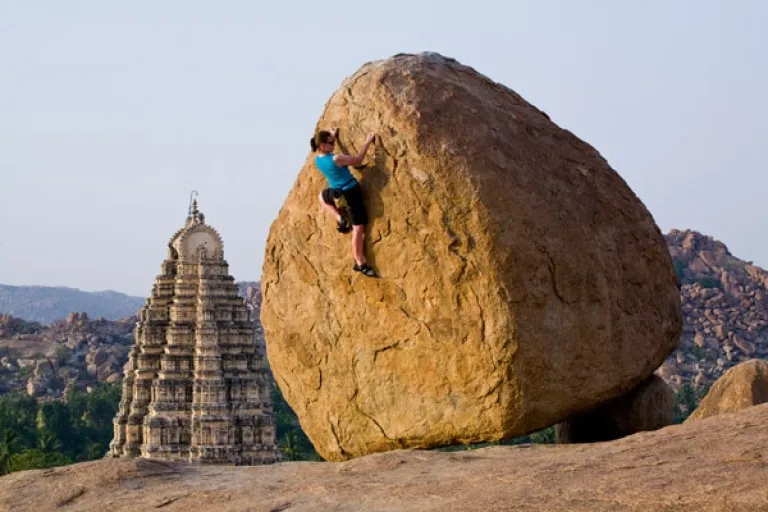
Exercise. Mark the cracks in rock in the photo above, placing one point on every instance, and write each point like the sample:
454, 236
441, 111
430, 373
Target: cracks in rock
168, 501
342, 451
552, 272
397, 344
381, 148
493, 389
372, 420
317, 274
353, 400
383, 234
276, 260
483, 335
317, 227
453, 247
354, 81
417, 320
73, 495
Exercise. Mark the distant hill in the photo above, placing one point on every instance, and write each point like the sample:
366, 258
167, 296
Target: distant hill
725, 304
46, 304
78, 349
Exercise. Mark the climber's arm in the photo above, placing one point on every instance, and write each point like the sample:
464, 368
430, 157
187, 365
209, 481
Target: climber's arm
343, 160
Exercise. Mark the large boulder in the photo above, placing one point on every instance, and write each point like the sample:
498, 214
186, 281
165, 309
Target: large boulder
742, 386
522, 281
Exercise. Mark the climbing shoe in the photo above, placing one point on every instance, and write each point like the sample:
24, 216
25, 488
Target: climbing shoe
343, 225
364, 269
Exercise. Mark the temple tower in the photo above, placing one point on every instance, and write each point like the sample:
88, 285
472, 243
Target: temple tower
195, 386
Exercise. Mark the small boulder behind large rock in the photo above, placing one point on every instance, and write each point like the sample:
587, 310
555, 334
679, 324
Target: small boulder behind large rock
650, 406
744, 385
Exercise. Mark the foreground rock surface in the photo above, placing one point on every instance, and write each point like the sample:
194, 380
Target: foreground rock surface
742, 386
716, 464
522, 280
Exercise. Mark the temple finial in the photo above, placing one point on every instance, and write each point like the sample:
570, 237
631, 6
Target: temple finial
193, 215
192, 202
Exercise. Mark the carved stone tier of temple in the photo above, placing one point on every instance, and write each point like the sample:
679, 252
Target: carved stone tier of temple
195, 388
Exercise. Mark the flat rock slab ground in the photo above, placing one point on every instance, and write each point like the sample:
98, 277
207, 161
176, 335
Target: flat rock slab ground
719, 463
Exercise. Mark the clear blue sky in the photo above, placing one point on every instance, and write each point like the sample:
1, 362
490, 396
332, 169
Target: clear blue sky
111, 112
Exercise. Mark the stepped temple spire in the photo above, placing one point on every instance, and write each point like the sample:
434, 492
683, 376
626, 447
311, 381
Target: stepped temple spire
195, 387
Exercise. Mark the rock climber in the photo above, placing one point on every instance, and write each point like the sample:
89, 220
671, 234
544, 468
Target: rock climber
343, 186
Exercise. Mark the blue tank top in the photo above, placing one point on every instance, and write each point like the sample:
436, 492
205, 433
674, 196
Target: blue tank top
338, 177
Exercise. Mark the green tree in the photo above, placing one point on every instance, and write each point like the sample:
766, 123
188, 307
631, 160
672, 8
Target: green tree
289, 446
707, 282
92, 415
9, 445
37, 459
289, 431
685, 403
679, 271
544, 436
47, 442
54, 418
39, 435
17, 413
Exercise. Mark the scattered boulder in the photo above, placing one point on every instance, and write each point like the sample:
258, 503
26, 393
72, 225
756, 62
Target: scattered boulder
521, 278
114, 377
76, 318
745, 346
106, 369
26, 362
36, 387
742, 386
650, 406
97, 357
44, 369
75, 341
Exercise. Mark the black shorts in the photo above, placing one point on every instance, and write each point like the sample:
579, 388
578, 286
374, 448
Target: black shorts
354, 198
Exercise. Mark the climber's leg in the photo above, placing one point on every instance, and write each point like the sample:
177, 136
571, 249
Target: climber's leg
326, 199
358, 249
329, 206
358, 243
354, 197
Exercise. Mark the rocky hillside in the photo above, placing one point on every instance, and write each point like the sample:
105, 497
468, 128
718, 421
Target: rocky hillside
45, 360
77, 351
725, 303
46, 304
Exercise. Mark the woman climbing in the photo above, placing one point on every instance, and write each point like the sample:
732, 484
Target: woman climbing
342, 184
